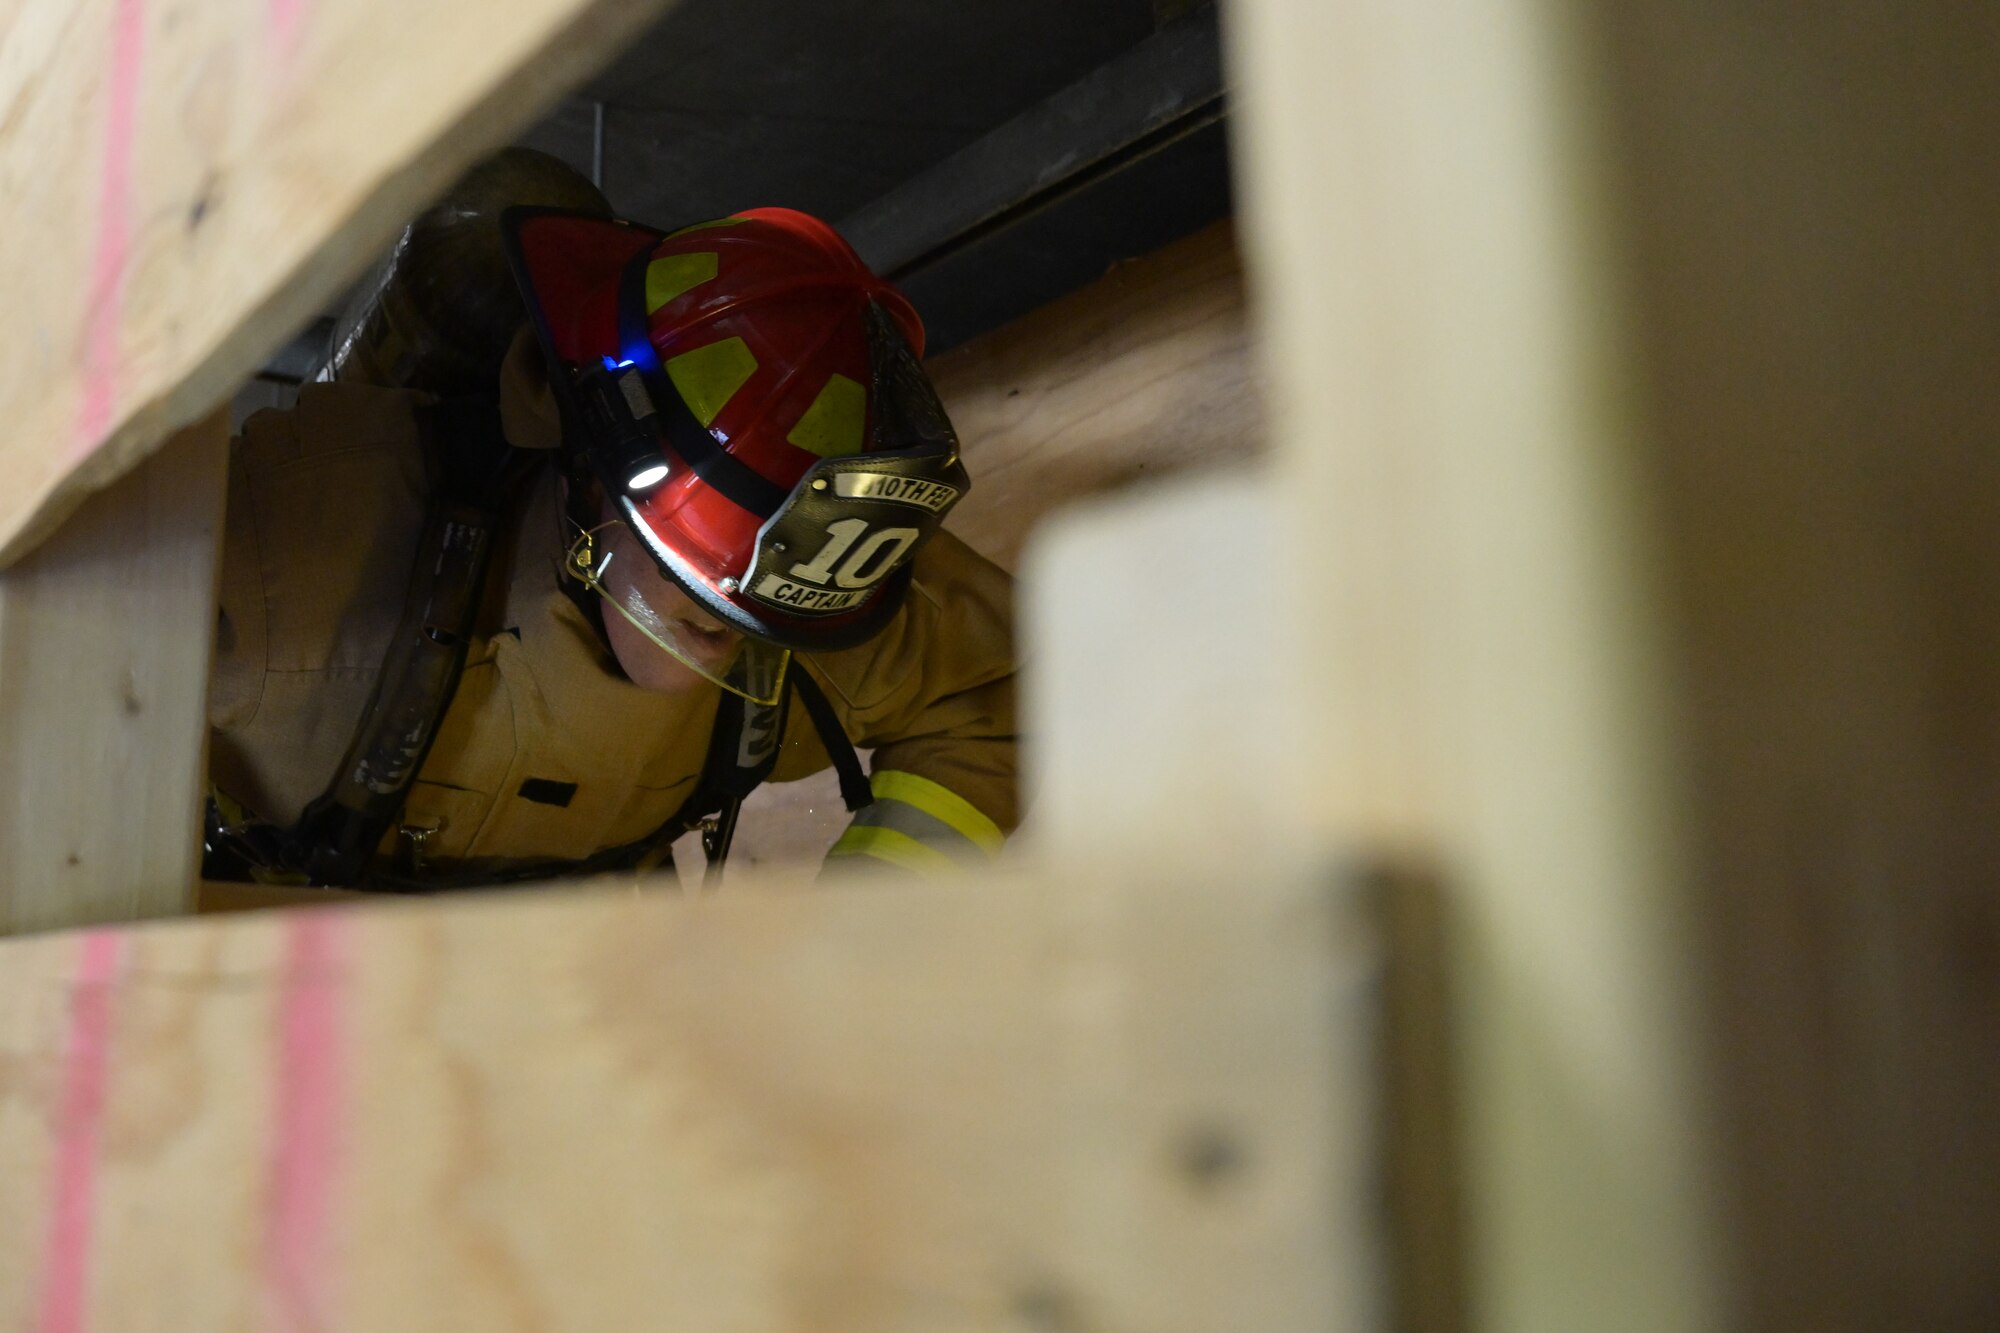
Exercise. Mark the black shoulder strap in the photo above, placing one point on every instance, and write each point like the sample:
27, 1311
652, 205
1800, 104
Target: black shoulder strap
743, 750
854, 789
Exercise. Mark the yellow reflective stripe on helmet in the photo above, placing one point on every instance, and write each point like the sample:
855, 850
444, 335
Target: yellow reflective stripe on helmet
832, 426
704, 226
708, 377
886, 844
942, 804
676, 275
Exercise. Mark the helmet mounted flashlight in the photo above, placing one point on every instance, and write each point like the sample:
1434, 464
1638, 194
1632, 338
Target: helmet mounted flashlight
623, 449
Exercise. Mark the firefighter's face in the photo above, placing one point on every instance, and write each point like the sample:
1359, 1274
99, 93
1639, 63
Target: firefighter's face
652, 598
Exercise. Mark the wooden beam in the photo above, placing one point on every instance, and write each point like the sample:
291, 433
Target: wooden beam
1156, 709
187, 185
1634, 366
1811, 214
1147, 373
105, 638
1460, 466
1080, 1100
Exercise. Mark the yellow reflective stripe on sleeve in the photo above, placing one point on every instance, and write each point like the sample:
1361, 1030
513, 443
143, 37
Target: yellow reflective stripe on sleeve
942, 804
228, 806
886, 844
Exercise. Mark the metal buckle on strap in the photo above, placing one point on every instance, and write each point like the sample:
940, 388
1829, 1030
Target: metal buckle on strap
415, 835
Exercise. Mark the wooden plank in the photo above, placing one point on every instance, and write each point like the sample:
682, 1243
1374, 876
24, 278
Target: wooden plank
1148, 727
186, 185
105, 643
1479, 580
1087, 1100
1650, 357
1147, 373
1812, 213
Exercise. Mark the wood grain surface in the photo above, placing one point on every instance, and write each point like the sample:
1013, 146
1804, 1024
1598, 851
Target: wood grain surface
1105, 1099
1637, 365
1147, 373
1477, 571
105, 639
1812, 218
185, 185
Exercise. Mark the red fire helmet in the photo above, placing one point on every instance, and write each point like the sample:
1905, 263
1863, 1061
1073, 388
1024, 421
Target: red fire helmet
749, 395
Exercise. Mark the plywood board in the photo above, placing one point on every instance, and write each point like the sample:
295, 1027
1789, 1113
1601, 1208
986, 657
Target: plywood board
1100, 1099
1811, 214
1483, 692
105, 637
1158, 713
1145, 374
185, 185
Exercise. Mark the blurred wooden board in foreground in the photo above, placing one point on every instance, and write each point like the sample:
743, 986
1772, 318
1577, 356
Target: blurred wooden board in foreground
1106, 1099
104, 658
185, 185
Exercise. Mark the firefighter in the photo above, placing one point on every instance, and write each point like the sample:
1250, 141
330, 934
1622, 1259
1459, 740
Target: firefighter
694, 545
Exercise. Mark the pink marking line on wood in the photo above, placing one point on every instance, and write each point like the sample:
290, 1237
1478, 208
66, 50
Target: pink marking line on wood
307, 1143
284, 20
86, 1059
114, 227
